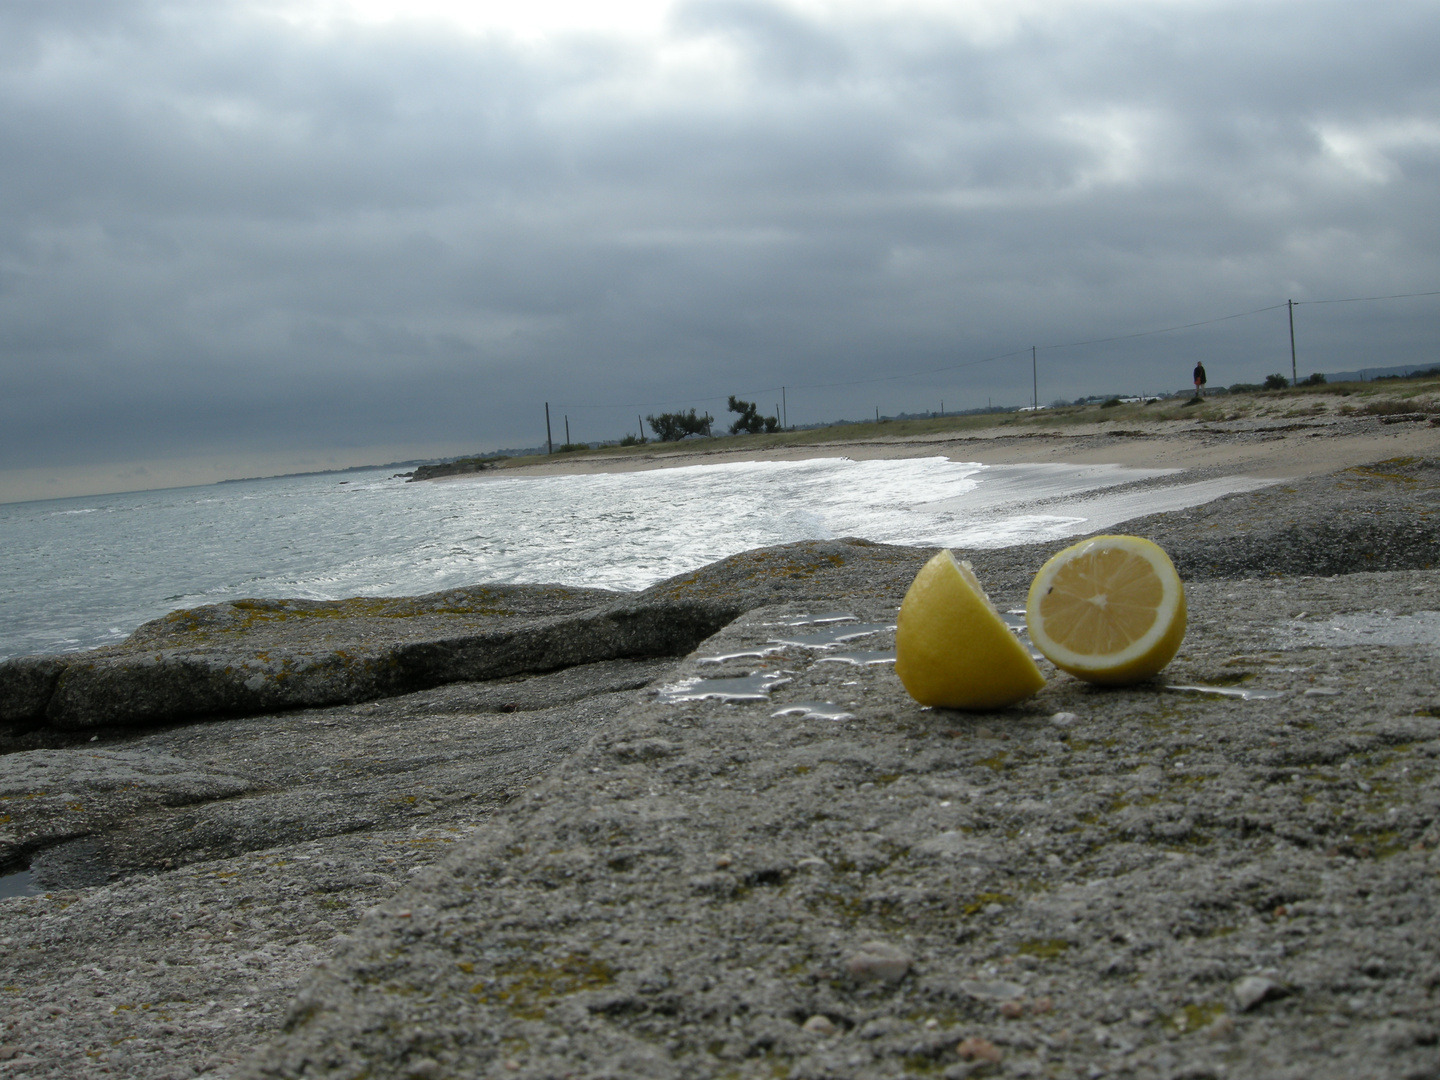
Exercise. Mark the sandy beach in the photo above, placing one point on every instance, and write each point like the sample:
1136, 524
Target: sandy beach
1265, 447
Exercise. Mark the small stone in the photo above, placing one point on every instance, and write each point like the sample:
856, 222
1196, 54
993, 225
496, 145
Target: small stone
878, 1028
931, 1024
1253, 989
977, 1049
1041, 1006
819, 1024
1012, 1010
992, 989
1064, 719
512, 1064
878, 960
422, 1069
722, 862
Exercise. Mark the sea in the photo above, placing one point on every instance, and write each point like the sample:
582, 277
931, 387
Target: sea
84, 572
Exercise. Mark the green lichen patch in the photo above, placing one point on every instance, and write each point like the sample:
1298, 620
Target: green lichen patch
1044, 948
1193, 1017
981, 901
527, 986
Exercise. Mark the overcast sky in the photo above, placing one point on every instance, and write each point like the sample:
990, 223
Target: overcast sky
257, 237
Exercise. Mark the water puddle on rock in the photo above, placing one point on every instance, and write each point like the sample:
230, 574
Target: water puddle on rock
824, 639
1365, 628
754, 687
18, 883
815, 710
1226, 691
822, 617
859, 657
758, 653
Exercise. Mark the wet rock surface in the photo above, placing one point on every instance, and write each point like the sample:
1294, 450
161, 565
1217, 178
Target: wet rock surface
255, 656
597, 872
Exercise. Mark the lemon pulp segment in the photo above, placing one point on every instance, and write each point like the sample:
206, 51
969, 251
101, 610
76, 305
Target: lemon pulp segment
952, 649
1110, 609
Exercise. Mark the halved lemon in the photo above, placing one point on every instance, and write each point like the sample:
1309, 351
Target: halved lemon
1110, 610
952, 649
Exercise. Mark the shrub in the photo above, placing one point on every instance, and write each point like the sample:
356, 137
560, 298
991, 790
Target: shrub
750, 419
1110, 403
1276, 382
672, 427
1245, 388
1391, 407
1316, 379
631, 440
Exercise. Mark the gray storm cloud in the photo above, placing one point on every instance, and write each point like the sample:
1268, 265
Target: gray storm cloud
222, 233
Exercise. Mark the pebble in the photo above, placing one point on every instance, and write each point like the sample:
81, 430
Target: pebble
992, 990
819, 1024
878, 960
1253, 989
1064, 719
977, 1049
1012, 1010
422, 1069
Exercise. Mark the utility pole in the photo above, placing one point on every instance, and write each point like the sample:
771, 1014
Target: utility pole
1294, 376
784, 409
641, 423
549, 442
567, 429
1035, 377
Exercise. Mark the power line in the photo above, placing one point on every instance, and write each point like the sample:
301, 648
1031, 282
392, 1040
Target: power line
1163, 330
1358, 299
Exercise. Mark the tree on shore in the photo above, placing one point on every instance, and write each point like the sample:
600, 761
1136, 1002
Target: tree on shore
750, 418
672, 427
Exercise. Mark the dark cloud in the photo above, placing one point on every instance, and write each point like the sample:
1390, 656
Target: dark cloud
221, 232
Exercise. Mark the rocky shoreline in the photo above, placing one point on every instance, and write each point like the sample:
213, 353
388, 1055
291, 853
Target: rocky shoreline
490, 834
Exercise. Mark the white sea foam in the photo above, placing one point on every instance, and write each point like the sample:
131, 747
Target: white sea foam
83, 575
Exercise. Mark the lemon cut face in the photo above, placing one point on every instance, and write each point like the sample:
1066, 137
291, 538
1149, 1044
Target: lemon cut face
952, 649
1110, 610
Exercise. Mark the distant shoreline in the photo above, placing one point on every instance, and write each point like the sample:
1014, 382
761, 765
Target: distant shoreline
1259, 448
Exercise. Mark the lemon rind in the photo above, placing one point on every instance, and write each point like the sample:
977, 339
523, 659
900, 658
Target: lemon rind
1007, 650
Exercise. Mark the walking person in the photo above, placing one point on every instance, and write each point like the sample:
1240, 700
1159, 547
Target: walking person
1199, 379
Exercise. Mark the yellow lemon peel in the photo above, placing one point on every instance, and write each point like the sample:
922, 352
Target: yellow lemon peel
952, 649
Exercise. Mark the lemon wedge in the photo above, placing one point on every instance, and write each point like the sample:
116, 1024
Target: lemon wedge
952, 649
1109, 610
